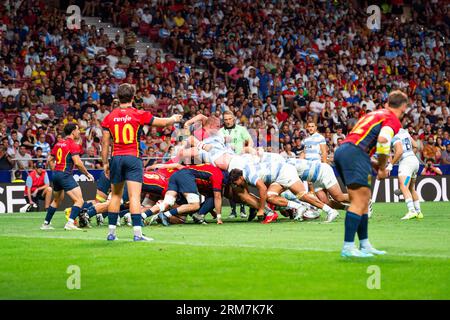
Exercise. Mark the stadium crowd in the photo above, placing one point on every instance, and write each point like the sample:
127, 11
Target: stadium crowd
261, 60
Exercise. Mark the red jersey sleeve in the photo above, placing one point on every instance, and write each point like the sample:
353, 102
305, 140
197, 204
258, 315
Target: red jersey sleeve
105, 123
217, 179
145, 117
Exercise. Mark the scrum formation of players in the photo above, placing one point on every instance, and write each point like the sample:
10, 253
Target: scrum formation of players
205, 170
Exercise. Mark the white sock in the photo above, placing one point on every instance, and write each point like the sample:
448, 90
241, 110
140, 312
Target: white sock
112, 229
143, 215
365, 243
137, 231
349, 245
327, 208
417, 206
294, 205
410, 204
71, 221
167, 214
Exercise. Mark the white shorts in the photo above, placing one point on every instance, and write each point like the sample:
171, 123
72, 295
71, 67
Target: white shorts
288, 176
409, 167
326, 178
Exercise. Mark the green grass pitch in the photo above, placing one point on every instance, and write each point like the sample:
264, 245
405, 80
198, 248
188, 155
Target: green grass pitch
236, 260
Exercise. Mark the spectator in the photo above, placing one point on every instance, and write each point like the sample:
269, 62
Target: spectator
430, 150
445, 158
23, 159
6, 163
430, 169
41, 143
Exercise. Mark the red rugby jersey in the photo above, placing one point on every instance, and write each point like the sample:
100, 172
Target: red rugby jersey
365, 132
63, 152
154, 183
207, 177
167, 173
124, 125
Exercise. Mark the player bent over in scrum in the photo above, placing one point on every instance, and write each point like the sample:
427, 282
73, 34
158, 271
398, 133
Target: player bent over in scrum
278, 176
66, 154
404, 150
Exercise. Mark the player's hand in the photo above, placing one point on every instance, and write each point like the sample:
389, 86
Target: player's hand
106, 169
382, 174
90, 177
177, 117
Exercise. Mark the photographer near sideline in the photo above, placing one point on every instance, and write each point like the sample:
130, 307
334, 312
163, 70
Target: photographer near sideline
236, 137
430, 169
37, 187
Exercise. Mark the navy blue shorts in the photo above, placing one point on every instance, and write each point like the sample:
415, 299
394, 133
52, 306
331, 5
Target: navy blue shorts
353, 165
183, 181
103, 184
126, 168
63, 181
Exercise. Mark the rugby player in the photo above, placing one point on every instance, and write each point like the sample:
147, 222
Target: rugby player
373, 132
64, 155
122, 125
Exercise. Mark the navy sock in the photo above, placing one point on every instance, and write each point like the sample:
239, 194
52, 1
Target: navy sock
242, 208
206, 206
149, 212
112, 218
122, 207
173, 211
86, 205
352, 221
75, 212
123, 212
136, 220
91, 211
105, 214
363, 232
50, 212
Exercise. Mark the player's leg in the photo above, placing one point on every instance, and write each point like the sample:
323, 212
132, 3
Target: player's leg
404, 183
233, 213
117, 179
77, 197
47, 195
58, 197
354, 167
415, 197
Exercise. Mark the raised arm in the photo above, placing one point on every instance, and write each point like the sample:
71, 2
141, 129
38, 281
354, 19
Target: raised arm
165, 122
198, 118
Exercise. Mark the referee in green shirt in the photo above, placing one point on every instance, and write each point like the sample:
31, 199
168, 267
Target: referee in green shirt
237, 137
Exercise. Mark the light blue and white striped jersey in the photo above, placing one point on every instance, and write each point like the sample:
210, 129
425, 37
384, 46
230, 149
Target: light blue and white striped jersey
307, 170
268, 172
404, 138
218, 146
272, 157
312, 146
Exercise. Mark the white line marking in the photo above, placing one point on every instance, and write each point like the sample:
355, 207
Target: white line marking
196, 244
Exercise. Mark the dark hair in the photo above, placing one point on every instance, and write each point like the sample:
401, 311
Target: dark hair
396, 99
235, 174
125, 93
69, 128
18, 174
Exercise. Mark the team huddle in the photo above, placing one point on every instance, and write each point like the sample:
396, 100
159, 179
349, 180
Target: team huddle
205, 170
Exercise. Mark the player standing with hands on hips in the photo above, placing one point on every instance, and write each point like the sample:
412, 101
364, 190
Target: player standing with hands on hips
373, 132
122, 125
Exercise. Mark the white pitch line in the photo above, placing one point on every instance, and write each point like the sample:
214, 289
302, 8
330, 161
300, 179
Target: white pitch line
196, 244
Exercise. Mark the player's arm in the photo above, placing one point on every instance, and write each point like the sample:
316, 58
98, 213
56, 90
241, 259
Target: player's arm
198, 118
218, 205
324, 152
414, 145
106, 141
262, 189
51, 162
383, 150
165, 122
79, 164
178, 166
398, 151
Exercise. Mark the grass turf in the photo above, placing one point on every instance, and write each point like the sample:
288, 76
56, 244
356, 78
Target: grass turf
236, 260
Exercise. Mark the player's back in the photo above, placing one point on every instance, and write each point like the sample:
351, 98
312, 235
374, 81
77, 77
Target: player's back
365, 132
63, 152
207, 176
404, 138
307, 170
124, 125
154, 182
266, 171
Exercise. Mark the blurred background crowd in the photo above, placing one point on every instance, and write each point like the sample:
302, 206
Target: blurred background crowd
275, 64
